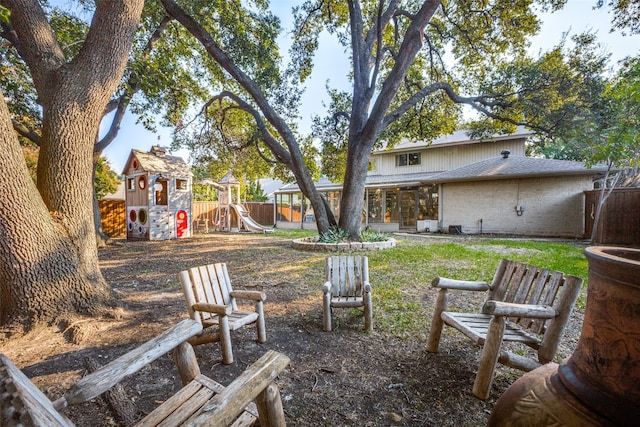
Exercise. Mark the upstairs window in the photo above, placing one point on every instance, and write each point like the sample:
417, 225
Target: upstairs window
408, 159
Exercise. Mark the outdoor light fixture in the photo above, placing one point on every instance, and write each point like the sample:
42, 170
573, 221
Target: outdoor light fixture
520, 210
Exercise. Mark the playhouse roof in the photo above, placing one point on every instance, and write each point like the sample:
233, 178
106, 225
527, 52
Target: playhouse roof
157, 161
229, 179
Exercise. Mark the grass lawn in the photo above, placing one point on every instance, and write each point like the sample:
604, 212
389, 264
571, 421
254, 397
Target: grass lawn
401, 274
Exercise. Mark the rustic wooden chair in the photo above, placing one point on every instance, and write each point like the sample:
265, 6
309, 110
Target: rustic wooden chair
524, 304
212, 301
202, 401
347, 285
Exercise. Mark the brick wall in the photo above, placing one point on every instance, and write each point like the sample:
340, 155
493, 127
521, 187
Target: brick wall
552, 206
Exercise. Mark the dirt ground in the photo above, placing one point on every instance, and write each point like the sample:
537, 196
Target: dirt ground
343, 378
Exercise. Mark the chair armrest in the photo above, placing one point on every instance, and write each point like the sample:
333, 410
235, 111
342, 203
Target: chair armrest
462, 285
366, 287
326, 288
500, 308
112, 373
252, 295
222, 310
227, 405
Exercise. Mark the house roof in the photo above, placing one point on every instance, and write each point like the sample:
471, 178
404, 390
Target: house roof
323, 184
516, 167
460, 137
157, 161
510, 167
119, 194
375, 181
399, 180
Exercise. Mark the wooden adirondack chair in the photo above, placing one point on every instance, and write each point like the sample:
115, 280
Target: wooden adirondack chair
347, 285
202, 401
212, 301
524, 304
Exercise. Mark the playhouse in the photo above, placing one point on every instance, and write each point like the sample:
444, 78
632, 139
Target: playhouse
157, 195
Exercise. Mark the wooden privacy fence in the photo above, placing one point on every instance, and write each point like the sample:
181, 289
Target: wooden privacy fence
620, 218
261, 212
114, 217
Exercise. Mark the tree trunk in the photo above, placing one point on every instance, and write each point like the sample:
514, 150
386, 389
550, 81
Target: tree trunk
101, 238
41, 274
49, 260
352, 198
604, 195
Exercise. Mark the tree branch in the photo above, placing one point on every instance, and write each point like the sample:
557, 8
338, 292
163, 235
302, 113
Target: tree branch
336, 116
121, 104
39, 49
281, 154
411, 44
481, 104
26, 132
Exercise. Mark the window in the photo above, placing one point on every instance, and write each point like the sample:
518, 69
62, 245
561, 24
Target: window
161, 192
181, 184
375, 206
283, 207
296, 207
408, 159
391, 206
131, 184
428, 202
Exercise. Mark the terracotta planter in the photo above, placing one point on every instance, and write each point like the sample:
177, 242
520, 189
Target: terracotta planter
600, 383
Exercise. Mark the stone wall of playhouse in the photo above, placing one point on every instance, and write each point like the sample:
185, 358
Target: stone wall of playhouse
311, 244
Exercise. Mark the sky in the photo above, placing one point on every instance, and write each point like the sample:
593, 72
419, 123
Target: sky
332, 64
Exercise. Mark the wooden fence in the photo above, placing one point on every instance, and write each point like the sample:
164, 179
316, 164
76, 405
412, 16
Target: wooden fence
261, 212
114, 217
620, 218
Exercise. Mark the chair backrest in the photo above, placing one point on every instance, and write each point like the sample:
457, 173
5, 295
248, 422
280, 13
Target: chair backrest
22, 403
347, 274
519, 283
206, 284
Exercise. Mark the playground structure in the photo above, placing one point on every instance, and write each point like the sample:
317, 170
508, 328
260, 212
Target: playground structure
231, 215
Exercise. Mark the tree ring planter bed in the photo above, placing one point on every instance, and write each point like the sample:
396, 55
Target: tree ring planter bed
311, 244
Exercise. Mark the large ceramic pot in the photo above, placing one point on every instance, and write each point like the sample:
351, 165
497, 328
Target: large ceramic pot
600, 383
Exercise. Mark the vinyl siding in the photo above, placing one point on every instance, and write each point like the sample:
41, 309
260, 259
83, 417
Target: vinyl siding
438, 159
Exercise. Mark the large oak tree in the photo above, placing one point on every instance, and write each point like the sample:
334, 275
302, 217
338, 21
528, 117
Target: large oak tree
48, 256
157, 83
412, 65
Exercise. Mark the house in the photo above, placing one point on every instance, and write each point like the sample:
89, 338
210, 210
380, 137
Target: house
463, 185
158, 195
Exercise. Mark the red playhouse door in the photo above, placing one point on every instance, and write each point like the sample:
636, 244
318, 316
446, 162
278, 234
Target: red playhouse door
182, 224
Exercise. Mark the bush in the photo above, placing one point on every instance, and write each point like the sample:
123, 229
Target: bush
373, 236
337, 235
334, 235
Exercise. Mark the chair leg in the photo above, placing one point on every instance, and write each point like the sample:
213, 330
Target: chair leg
185, 359
368, 312
489, 358
225, 340
262, 331
270, 411
436, 322
326, 313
